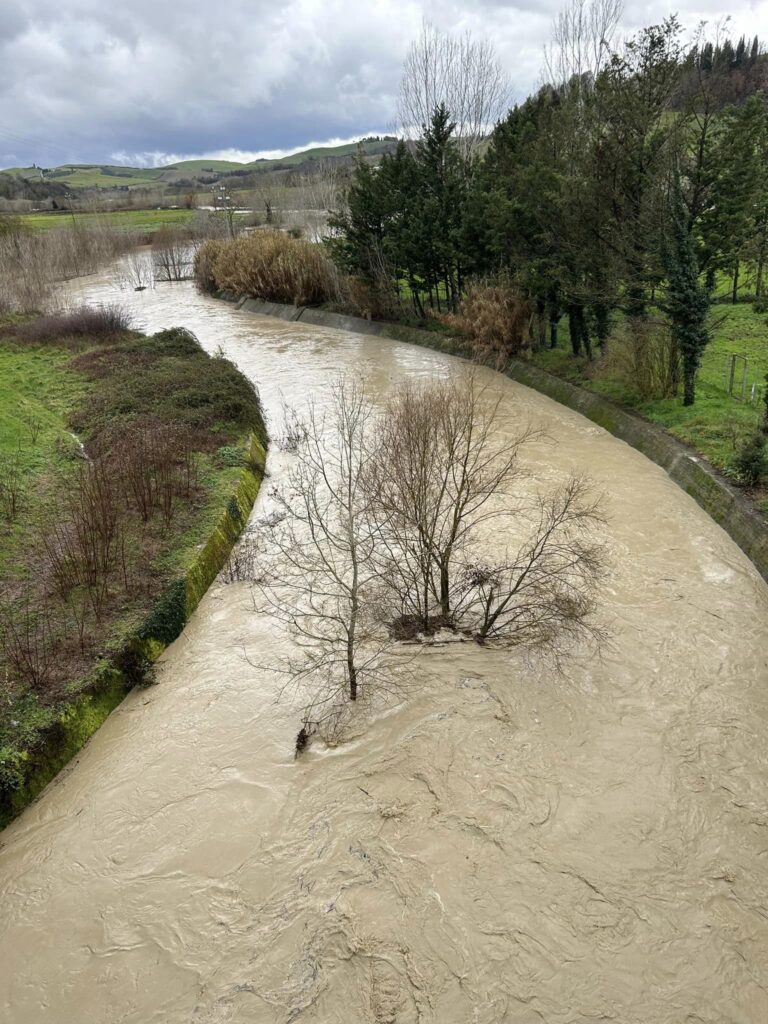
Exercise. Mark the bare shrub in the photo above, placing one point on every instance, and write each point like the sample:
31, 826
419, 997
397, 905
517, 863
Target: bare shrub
32, 263
172, 255
268, 265
12, 488
34, 425
496, 319
375, 300
155, 464
136, 271
84, 536
241, 566
27, 644
85, 322
645, 358
543, 596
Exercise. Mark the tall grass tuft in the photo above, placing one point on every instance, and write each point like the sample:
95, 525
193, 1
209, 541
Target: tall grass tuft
496, 319
268, 265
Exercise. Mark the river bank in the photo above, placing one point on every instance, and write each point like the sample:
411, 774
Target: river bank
126, 503
732, 510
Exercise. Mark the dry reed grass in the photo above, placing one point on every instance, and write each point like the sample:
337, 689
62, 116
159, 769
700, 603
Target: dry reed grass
268, 265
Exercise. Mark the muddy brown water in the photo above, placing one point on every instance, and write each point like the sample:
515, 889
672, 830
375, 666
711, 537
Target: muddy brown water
503, 846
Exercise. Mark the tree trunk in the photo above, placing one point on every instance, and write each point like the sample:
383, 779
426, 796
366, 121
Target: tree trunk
541, 322
583, 329
601, 324
734, 293
352, 676
689, 385
760, 266
573, 330
445, 597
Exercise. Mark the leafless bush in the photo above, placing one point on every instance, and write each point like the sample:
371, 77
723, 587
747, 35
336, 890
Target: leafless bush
496, 318
241, 566
136, 271
27, 644
155, 464
543, 596
172, 255
84, 536
376, 300
268, 265
34, 425
84, 322
646, 359
31, 264
294, 430
12, 489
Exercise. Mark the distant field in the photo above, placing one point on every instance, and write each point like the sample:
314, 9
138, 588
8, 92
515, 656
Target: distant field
141, 219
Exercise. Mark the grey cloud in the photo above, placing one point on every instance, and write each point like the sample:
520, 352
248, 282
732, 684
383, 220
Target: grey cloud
81, 81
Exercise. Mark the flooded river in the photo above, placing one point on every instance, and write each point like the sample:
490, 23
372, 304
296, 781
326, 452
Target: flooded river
503, 846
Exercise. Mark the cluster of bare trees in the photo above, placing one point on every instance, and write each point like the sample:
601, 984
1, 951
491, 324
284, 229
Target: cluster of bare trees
386, 522
460, 72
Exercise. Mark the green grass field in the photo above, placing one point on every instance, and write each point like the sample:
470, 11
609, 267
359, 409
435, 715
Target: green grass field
37, 393
717, 424
145, 220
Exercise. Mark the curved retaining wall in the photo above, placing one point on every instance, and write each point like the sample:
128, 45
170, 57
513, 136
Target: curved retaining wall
689, 470
112, 678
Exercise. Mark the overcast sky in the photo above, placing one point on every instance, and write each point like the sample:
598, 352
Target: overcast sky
151, 81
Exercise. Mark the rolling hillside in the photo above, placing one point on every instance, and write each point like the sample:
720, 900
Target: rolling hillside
107, 176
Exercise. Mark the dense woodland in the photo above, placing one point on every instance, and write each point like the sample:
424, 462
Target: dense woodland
633, 183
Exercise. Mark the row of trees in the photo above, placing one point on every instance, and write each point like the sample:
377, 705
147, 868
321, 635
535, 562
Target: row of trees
623, 186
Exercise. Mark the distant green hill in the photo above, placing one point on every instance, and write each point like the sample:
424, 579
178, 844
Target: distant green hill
113, 176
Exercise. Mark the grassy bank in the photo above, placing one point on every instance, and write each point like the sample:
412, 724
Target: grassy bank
717, 425
111, 536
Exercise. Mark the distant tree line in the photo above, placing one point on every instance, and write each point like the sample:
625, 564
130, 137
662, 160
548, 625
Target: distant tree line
635, 180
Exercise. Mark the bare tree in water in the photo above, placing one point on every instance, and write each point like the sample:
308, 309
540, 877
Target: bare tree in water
322, 579
440, 471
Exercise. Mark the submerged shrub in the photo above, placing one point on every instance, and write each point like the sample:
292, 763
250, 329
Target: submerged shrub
268, 265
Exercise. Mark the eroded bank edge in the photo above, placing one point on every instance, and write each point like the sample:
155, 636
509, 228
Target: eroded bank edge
111, 678
690, 471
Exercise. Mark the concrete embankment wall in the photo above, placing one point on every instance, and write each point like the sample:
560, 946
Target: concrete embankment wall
111, 679
690, 471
